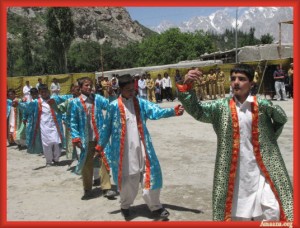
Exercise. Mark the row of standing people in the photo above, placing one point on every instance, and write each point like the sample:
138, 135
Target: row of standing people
84, 123
54, 88
145, 86
42, 124
211, 84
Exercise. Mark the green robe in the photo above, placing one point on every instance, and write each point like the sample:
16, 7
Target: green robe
65, 107
271, 119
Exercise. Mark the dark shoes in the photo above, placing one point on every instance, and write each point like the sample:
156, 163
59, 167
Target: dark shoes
11, 144
161, 213
96, 182
53, 163
88, 194
126, 213
108, 193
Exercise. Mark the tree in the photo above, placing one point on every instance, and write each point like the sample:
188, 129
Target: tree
11, 58
266, 39
26, 55
60, 33
84, 56
173, 46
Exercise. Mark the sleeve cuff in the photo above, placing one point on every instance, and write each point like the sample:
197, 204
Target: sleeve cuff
98, 148
184, 87
177, 110
75, 140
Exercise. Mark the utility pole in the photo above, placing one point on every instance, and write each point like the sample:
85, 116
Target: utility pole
236, 26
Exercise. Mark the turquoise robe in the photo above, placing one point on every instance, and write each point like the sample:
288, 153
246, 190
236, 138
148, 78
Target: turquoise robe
34, 110
79, 125
113, 128
8, 107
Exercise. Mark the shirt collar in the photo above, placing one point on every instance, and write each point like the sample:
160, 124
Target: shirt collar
125, 99
249, 99
83, 97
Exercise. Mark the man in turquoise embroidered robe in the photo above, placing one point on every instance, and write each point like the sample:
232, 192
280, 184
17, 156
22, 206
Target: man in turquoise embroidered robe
34, 110
132, 113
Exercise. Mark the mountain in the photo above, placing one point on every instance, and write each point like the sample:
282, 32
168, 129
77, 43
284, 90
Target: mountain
263, 19
101, 24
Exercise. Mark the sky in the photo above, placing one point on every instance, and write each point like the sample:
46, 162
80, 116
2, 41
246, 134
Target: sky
153, 16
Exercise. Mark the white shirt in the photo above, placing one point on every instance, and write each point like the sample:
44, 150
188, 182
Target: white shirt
55, 87
251, 189
166, 82
37, 85
49, 132
159, 81
26, 92
142, 87
134, 152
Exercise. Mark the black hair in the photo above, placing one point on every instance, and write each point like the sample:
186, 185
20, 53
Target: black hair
43, 87
81, 81
33, 91
11, 91
125, 79
244, 69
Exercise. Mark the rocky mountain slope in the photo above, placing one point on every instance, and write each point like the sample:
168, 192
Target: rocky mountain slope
101, 24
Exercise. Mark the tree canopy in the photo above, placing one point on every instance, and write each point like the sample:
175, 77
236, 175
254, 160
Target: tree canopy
59, 53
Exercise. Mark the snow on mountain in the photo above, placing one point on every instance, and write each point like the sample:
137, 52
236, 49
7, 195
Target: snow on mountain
263, 19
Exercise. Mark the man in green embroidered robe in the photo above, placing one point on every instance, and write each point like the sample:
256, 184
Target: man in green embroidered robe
250, 179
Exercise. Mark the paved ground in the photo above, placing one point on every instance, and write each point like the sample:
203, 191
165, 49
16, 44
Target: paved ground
186, 149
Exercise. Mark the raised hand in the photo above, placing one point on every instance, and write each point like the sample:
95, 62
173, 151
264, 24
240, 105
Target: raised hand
192, 76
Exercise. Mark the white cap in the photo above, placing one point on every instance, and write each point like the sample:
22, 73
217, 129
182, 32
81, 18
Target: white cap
137, 75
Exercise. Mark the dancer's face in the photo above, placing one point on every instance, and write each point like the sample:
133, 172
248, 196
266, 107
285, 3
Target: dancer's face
241, 86
86, 88
45, 94
128, 91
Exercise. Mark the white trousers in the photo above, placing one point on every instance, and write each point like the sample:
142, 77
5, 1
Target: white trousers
130, 188
270, 211
52, 152
280, 86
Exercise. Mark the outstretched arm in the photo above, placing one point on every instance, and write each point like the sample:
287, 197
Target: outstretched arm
204, 112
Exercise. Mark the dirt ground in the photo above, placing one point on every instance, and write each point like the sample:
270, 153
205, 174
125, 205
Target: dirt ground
186, 150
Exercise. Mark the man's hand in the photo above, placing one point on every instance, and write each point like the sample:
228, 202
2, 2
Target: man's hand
192, 76
78, 144
179, 110
110, 90
98, 152
51, 101
14, 102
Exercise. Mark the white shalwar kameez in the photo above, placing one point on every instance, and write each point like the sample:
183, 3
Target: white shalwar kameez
49, 135
142, 88
253, 197
11, 120
26, 93
133, 167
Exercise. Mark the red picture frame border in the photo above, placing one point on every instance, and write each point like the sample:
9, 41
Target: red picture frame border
4, 4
